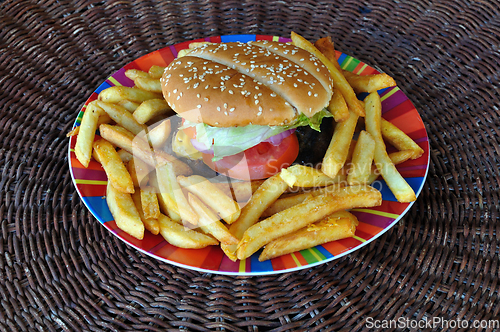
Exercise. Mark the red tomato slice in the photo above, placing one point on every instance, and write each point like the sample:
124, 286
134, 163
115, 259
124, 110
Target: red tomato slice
259, 162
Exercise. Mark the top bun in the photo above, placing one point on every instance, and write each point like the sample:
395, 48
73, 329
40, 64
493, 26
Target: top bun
237, 84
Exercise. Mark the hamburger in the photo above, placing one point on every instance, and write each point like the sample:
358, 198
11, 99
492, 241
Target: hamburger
241, 103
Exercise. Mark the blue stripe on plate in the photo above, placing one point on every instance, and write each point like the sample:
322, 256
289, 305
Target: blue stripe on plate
325, 252
342, 58
98, 206
237, 38
103, 86
260, 266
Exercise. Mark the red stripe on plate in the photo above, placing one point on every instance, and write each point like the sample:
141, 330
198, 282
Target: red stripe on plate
164, 251
147, 243
340, 246
167, 55
145, 62
263, 37
91, 190
228, 265
213, 259
368, 230
278, 263
191, 257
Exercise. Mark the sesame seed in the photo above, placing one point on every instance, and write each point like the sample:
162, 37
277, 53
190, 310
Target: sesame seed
225, 105
315, 95
199, 106
309, 93
230, 92
205, 99
175, 91
260, 108
256, 101
295, 85
225, 112
198, 95
218, 108
231, 109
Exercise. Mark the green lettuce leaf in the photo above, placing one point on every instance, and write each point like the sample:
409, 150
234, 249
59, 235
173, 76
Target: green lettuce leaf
233, 140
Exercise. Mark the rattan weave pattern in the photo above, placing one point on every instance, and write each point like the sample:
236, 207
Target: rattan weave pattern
60, 270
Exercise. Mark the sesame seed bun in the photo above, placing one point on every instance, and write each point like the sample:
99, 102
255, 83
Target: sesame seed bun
237, 84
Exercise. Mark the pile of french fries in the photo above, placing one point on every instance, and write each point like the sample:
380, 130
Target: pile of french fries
298, 208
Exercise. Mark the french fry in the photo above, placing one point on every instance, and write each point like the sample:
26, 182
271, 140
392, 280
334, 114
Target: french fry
285, 203
183, 52
125, 156
288, 201
326, 46
139, 171
263, 197
339, 80
156, 71
397, 184
85, 138
197, 44
303, 214
139, 148
338, 225
368, 83
181, 237
149, 203
116, 94
123, 117
336, 154
399, 139
400, 157
103, 118
134, 73
225, 207
151, 224
148, 84
305, 177
130, 106
149, 109
210, 223
362, 159
116, 171
159, 134
338, 106
173, 195
124, 212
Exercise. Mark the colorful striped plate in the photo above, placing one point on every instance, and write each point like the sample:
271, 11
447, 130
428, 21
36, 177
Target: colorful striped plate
397, 108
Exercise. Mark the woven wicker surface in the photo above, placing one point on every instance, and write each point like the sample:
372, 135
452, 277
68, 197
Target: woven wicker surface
60, 270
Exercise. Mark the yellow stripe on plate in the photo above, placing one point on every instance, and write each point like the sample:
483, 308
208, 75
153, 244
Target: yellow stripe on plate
295, 259
393, 91
114, 81
362, 68
242, 265
359, 239
378, 213
315, 254
276, 38
82, 181
349, 59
